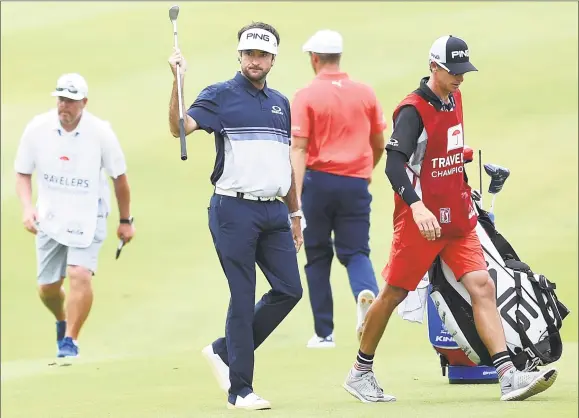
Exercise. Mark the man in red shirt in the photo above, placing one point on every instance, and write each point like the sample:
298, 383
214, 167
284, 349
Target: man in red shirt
337, 126
434, 215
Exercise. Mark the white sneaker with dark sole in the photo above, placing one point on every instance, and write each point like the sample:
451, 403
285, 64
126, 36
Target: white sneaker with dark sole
365, 299
522, 385
218, 367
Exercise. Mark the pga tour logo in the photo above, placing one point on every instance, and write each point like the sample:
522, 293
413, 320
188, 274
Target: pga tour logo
444, 215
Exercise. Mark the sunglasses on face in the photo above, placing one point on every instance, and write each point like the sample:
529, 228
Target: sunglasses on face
71, 90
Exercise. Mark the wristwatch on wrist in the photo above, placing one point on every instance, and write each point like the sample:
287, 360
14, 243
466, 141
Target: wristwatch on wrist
128, 221
297, 214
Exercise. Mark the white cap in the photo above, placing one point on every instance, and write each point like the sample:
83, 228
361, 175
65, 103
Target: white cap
72, 86
259, 39
324, 42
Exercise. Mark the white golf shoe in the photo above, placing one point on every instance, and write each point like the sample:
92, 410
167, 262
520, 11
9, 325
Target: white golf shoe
366, 388
319, 342
365, 299
251, 402
219, 368
518, 385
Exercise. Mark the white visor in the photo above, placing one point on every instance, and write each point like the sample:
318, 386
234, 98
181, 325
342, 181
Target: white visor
259, 39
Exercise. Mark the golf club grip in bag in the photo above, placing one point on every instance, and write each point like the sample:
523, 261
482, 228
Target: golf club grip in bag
530, 312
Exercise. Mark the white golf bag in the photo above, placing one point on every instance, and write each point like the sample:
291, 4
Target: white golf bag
530, 312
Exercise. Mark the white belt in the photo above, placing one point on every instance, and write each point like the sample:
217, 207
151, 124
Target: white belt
240, 195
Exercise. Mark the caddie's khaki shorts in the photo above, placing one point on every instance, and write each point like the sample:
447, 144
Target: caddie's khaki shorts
52, 257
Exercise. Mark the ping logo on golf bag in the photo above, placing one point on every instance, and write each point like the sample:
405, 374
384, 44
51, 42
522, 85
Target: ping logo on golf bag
530, 353
504, 311
493, 273
530, 312
444, 215
511, 303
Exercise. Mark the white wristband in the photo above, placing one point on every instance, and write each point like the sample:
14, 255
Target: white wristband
297, 214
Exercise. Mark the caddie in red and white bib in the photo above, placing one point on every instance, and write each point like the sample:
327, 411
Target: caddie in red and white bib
434, 217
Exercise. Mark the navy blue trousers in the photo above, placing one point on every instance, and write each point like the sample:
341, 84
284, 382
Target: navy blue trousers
340, 205
247, 232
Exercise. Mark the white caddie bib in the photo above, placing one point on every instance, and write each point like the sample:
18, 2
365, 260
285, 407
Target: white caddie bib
68, 177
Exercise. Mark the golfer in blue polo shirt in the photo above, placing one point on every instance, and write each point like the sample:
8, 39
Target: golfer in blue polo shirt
248, 223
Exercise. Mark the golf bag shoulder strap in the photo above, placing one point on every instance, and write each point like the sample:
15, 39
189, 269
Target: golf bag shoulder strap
543, 287
504, 248
539, 357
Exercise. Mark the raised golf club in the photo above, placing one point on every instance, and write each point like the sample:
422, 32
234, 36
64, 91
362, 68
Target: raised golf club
173, 14
498, 177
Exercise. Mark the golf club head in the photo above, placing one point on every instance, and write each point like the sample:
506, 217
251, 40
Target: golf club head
498, 177
173, 13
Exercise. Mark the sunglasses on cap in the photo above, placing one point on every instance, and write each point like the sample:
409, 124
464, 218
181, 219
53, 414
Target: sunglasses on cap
71, 90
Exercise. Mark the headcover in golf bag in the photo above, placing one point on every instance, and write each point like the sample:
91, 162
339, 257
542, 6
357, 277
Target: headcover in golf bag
530, 312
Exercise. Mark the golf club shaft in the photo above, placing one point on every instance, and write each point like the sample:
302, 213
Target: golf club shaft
180, 96
492, 210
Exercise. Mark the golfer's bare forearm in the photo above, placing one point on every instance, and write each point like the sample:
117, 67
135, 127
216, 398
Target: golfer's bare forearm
123, 195
377, 143
298, 159
174, 108
189, 123
24, 189
291, 199
377, 154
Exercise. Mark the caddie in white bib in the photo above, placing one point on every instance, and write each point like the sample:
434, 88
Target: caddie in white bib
73, 154
69, 174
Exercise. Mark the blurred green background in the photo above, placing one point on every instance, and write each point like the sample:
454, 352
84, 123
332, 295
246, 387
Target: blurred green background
166, 297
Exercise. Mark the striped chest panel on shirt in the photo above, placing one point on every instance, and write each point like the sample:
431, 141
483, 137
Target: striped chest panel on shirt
256, 138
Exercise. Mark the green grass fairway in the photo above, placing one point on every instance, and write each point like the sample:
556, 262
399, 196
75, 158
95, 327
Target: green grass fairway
166, 297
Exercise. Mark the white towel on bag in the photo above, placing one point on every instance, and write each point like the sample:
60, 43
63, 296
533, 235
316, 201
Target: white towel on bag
412, 308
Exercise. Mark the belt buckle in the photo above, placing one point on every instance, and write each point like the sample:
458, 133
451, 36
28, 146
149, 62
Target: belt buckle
248, 196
